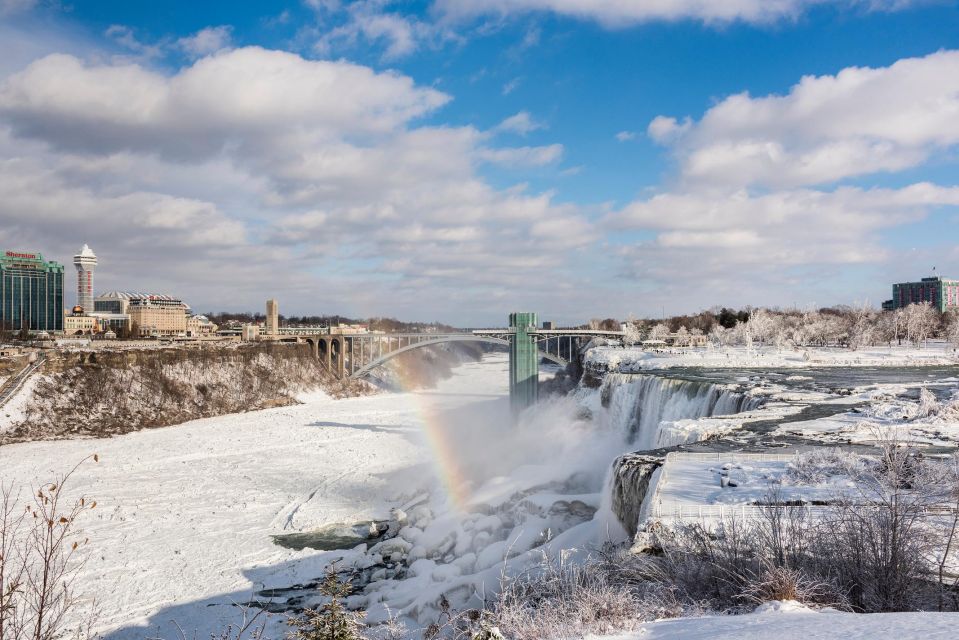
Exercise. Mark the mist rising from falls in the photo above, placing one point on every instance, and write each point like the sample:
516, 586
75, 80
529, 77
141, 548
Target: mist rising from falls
645, 406
558, 481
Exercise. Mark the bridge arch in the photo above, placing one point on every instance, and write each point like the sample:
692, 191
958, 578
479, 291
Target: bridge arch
359, 373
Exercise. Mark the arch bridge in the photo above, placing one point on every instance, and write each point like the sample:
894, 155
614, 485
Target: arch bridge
354, 355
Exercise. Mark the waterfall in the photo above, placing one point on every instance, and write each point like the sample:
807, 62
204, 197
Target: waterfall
645, 409
640, 404
627, 486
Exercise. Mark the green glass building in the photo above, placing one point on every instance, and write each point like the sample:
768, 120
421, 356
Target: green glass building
31, 292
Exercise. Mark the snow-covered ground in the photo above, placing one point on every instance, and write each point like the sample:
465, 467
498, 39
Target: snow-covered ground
888, 416
635, 359
14, 410
185, 513
792, 621
714, 484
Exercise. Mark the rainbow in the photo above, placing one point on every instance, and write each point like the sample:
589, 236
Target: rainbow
446, 454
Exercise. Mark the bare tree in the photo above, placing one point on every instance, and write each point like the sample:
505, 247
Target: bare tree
38, 563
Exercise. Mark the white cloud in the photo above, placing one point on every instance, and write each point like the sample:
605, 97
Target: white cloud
621, 13
247, 96
626, 136
859, 121
370, 22
271, 164
511, 86
523, 156
207, 41
743, 243
663, 129
126, 38
521, 123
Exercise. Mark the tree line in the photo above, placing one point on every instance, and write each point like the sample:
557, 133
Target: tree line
842, 326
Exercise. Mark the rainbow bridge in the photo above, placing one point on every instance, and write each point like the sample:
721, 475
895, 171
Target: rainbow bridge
354, 355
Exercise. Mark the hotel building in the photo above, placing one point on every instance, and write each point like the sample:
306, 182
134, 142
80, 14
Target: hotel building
31, 292
153, 314
941, 293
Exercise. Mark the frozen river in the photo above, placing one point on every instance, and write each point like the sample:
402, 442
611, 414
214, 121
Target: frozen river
185, 514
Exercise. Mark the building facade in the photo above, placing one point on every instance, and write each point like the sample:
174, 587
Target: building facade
31, 292
85, 262
941, 293
272, 317
80, 325
151, 314
197, 326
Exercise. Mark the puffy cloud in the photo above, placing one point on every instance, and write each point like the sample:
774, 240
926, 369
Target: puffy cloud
620, 13
521, 123
857, 122
302, 175
626, 136
207, 41
244, 96
741, 242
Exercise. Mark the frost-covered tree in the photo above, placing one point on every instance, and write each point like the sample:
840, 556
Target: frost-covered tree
659, 332
742, 334
631, 333
921, 321
951, 330
862, 327
720, 336
761, 325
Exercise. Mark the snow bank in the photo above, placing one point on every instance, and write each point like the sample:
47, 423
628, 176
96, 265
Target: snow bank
635, 359
791, 621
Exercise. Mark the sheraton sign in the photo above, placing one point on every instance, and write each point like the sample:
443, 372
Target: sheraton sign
28, 256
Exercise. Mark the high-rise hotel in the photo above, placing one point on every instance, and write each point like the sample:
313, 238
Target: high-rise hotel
31, 292
85, 262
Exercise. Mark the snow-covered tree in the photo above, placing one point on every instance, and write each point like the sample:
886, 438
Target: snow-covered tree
921, 321
631, 333
720, 335
659, 332
951, 332
862, 327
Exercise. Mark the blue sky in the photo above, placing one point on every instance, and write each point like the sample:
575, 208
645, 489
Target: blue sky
456, 160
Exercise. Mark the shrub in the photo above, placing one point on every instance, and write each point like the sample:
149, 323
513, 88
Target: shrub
332, 621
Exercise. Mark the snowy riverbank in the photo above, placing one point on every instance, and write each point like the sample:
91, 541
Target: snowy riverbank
635, 359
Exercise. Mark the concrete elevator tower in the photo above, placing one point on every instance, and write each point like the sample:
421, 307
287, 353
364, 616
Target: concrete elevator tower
523, 362
85, 262
272, 317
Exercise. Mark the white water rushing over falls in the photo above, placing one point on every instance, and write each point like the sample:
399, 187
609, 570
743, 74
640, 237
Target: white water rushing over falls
555, 483
649, 409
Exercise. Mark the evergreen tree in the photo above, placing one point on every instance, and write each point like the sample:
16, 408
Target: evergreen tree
332, 621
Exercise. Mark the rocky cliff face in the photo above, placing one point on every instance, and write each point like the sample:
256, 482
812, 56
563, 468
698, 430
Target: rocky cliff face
108, 392
100, 393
